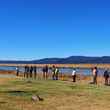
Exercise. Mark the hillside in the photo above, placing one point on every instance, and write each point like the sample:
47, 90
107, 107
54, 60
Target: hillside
68, 60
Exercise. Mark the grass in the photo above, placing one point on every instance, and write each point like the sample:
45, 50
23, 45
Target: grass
15, 94
59, 65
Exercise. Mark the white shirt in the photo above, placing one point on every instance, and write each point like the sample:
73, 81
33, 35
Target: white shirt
73, 73
94, 72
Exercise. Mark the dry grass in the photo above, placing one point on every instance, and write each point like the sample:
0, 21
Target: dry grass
7, 72
58, 95
63, 65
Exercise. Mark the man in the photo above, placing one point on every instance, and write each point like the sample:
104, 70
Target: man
53, 72
74, 75
106, 76
31, 71
17, 71
35, 71
95, 74
56, 73
25, 71
46, 71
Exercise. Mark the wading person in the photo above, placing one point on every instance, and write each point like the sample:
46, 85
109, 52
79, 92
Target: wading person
106, 77
95, 74
74, 75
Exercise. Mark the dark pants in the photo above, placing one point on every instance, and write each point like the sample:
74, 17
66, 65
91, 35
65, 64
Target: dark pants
95, 79
27, 74
31, 74
35, 75
17, 74
106, 81
55, 76
74, 78
45, 75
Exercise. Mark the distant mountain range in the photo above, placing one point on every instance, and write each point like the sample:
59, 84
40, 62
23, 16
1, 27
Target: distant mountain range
68, 60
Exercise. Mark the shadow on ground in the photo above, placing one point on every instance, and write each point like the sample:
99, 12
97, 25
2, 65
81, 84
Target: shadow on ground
19, 92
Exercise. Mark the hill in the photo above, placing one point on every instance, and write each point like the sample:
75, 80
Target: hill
68, 60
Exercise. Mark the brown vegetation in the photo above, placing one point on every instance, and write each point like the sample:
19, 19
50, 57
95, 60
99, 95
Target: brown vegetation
63, 65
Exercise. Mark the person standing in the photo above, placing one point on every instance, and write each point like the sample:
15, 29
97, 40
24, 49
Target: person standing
46, 71
53, 72
35, 71
106, 76
56, 73
95, 74
25, 71
17, 71
74, 75
43, 70
31, 71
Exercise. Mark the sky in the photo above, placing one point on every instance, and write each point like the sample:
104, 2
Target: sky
34, 29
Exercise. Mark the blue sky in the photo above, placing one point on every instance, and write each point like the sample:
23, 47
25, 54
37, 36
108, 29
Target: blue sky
33, 29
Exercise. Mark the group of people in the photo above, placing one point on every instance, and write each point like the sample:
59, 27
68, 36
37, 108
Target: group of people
54, 70
45, 71
106, 76
31, 71
55, 73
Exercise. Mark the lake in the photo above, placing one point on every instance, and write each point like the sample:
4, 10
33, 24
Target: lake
83, 71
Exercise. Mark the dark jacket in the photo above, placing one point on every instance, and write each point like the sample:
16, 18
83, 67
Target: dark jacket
106, 74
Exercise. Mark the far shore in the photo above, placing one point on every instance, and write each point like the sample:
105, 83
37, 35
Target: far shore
61, 65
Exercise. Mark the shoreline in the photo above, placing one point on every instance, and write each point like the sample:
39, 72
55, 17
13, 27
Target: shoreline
63, 77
